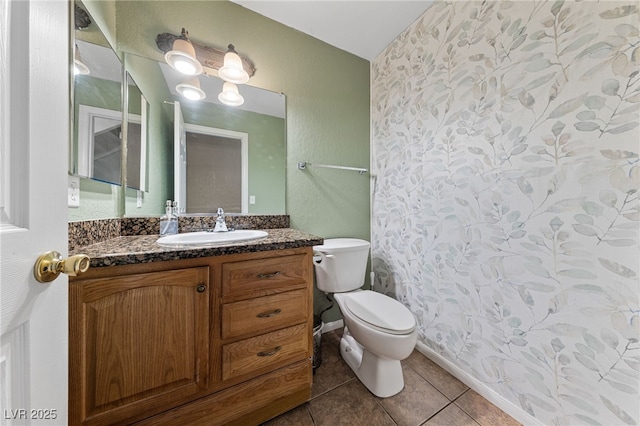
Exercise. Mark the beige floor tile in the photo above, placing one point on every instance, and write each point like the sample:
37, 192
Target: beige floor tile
418, 401
338, 397
350, 404
483, 411
452, 415
436, 375
333, 371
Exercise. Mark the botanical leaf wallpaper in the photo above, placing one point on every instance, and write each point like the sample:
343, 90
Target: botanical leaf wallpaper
505, 200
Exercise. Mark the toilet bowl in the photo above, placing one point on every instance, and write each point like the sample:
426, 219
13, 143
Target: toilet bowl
379, 331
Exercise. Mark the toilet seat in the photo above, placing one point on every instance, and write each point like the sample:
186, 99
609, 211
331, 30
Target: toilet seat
380, 312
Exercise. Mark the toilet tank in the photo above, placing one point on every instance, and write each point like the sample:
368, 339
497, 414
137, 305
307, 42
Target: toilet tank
341, 264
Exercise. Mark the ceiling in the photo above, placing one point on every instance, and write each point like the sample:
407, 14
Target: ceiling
363, 28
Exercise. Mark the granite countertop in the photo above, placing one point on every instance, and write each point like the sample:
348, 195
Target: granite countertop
144, 249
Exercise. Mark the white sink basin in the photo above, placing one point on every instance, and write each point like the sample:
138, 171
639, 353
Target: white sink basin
204, 237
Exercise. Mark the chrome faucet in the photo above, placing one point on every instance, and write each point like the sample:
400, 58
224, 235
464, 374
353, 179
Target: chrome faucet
221, 225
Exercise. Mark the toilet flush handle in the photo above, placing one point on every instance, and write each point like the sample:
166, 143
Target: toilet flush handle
319, 257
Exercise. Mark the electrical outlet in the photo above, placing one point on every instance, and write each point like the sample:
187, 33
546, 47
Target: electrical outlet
252, 199
139, 199
73, 192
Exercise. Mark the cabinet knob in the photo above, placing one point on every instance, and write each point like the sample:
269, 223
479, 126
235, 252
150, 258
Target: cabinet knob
201, 288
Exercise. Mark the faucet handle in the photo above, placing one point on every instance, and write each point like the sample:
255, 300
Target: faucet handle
221, 226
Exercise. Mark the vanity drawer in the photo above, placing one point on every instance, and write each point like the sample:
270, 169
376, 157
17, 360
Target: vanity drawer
266, 352
264, 313
262, 277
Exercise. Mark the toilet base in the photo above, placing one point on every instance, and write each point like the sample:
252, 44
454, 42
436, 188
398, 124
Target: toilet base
382, 376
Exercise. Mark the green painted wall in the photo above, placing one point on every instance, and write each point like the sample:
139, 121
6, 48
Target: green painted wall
103, 13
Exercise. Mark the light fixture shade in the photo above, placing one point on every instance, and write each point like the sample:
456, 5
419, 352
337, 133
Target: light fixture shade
232, 69
230, 95
190, 89
79, 68
183, 58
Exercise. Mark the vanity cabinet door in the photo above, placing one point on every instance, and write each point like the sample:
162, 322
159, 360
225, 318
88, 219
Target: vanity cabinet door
141, 342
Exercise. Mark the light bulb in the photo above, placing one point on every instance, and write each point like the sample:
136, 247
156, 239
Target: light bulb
185, 67
232, 69
183, 58
79, 68
190, 89
230, 95
192, 94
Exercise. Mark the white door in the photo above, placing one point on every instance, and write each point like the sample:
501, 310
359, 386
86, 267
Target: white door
179, 158
34, 127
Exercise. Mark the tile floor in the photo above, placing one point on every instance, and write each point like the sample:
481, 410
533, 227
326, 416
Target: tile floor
431, 397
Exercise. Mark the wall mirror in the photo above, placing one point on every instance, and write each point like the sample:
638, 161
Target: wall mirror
263, 169
96, 149
229, 157
137, 139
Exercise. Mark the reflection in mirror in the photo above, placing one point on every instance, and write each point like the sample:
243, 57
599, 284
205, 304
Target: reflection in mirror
211, 168
217, 170
261, 118
233, 157
99, 143
137, 140
99, 140
97, 109
97, 147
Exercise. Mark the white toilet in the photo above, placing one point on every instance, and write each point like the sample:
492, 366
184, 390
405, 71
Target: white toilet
379, 331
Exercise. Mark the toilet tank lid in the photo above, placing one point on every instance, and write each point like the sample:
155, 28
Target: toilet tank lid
381, 311
341, 244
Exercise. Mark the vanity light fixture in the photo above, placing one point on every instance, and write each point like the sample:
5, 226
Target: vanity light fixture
79, 68
82, 18
190, 89
230, 95
208, 57
232, 70
182, 56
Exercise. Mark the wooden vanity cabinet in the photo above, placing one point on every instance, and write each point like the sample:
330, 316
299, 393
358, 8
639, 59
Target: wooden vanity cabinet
217, 340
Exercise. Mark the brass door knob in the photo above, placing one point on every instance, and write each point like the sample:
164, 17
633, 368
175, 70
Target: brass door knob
49, 265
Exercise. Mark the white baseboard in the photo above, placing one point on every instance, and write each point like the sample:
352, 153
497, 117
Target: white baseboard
487, 393
333, 325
